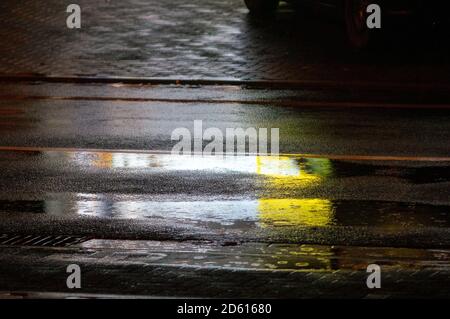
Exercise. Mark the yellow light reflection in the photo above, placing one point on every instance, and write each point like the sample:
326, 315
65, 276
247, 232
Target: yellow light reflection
277, 166
103, 160
273, 166
285, 169
295, 212
279, 172
297, 173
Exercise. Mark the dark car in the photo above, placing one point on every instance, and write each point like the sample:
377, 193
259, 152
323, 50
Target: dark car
354, 13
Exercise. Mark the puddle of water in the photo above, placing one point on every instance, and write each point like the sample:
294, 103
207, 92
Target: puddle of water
263, 213
293, 169
296, 212
274, 166
274, 171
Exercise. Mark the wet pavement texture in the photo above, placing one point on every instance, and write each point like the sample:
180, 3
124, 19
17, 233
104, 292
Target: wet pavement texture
68, 115
206, 39
353, 186
252, 270
230, 198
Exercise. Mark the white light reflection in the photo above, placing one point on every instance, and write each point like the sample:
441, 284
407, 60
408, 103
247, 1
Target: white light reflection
277, 170
263, 165
222, 212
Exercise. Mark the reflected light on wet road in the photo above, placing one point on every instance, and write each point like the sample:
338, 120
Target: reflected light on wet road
277, 170
275, 166
290, 212
269, 205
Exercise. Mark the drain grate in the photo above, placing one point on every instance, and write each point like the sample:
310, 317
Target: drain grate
41, 240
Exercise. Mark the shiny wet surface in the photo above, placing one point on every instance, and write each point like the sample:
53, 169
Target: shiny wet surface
274, 257
76, 116
288, 225
248, 213
249, 270
209, 39
260, 194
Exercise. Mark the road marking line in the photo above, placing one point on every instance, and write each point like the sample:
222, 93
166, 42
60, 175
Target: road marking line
294, 155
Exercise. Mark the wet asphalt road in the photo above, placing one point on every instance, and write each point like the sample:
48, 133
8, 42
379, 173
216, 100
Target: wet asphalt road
352, 186
144, 192
144, 117
280, 199
363, 176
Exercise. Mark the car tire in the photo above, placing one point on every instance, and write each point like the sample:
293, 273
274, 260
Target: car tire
262, 7
355, 14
